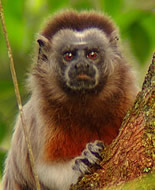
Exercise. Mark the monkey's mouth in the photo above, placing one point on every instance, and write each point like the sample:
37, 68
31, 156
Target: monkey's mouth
82, 82
83, 77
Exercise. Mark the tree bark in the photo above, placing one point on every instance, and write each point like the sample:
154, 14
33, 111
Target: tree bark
132, 153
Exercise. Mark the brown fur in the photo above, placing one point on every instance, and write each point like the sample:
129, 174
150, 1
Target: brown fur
78, 21
61, 125
99, 117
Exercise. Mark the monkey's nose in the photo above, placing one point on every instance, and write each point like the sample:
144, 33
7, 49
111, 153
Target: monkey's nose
81, 66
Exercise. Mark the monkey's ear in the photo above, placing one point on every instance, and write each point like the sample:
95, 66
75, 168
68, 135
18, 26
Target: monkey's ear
42, 41
114, 38
44, 46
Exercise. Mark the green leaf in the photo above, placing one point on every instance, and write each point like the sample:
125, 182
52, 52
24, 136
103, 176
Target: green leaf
140, 41
2, 158
3, 129
8, 107
148, 24
58, 4
6, 89
82, 5
125, 19
14, 18
112, 7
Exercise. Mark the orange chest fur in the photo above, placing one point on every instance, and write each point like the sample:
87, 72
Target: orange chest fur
67, 144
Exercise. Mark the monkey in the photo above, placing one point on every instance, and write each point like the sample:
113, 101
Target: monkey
81, 88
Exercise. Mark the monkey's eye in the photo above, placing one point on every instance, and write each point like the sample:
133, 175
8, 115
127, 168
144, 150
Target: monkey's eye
92, 54
68, 56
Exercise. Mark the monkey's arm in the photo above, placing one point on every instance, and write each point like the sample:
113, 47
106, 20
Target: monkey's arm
60, 175
52, 175
18, 174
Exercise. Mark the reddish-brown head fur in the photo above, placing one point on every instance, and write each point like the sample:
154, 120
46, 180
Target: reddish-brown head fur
78, 21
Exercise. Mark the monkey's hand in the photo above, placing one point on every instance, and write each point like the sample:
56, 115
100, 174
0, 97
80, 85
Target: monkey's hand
90, 158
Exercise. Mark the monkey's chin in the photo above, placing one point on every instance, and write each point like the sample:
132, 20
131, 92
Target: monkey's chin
82, 85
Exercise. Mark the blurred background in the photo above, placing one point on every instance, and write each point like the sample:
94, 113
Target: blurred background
24, 19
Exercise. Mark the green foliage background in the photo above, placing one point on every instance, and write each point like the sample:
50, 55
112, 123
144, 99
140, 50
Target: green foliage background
135, 20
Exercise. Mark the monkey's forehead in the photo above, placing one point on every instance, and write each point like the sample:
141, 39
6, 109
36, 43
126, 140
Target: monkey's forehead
87, 37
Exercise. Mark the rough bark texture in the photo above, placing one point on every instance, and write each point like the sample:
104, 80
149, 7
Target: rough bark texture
132, 154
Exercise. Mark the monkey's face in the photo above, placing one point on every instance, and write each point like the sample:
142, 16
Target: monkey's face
80, 60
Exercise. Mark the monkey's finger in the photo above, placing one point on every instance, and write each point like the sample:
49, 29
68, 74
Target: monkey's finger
82, 165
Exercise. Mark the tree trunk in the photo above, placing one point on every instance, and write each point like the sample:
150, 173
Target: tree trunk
132, 153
